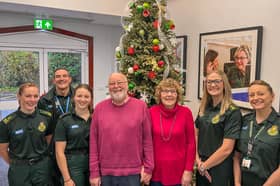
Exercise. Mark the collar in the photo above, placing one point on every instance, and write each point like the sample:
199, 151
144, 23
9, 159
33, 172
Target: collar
168, 112
24, 115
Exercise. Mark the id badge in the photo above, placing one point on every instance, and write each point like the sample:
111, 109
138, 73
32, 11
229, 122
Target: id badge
246, 162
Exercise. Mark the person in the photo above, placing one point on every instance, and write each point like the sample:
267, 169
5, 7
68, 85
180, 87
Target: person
72, 139
211, 62
121, 147
57, 101
257, 155
239, 75
217, 128
24, 138
173, 137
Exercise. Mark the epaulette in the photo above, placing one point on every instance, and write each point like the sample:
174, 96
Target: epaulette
44, 112
233, 107
9, 118
65, 114
248, 114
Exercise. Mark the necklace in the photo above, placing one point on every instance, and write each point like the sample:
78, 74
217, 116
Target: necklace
166, 139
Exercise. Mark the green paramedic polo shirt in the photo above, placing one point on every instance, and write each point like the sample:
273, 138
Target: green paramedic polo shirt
74, 130
26, 133
265, 156
213, 128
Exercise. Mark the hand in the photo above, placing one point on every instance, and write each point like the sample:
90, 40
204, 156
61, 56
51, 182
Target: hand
145, 177
69, 183
208, 176
95, 181
187, 178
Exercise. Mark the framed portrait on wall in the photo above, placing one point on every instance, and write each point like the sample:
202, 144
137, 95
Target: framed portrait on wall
236, 52
181, 53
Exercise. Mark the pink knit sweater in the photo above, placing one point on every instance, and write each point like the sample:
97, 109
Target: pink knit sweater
120, 139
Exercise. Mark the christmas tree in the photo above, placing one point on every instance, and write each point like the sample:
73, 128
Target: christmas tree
147, 50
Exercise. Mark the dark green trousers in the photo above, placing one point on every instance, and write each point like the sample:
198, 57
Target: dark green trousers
30, 175
78, 165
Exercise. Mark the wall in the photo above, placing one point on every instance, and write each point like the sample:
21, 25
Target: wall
110, 7
199, 16
106, 38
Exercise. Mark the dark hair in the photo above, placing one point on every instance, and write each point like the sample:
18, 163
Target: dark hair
210, 56
60, 68
87, 87
263, 83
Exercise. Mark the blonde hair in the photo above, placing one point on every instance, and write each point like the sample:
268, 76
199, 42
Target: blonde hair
245, 49
169, 83
24, 86
207, 98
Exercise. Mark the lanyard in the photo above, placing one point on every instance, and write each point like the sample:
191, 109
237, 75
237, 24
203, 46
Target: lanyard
252, 139
57, 103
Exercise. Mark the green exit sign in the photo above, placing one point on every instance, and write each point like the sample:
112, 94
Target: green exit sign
44, 24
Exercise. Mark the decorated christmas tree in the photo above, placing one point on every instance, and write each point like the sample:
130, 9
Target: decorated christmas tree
147, 50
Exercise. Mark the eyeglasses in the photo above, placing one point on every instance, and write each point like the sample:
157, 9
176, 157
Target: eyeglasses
215, 81
166, 91
240, 58
118, 83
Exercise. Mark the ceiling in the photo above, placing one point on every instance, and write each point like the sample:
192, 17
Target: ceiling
59, 14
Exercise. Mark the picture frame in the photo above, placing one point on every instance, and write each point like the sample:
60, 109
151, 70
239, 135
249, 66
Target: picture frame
181, 53
226, 43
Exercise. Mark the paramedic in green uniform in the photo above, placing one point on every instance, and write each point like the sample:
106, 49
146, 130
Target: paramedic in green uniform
217, 127
257, 156
24, 138
57, 101
72, 139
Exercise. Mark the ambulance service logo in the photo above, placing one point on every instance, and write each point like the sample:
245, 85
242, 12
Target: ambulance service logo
42, 127
273, 130
216, 119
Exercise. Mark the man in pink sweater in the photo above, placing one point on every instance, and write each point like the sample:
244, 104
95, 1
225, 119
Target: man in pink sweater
121, 148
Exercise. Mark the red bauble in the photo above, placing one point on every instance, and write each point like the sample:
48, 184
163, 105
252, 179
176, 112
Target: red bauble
135, 67
151, 75
131, 94
156, 48
172, 26
155, 24
160, 63
130, 51
146, 13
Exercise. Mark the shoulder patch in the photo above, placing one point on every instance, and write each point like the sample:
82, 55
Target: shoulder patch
9, 118
46, 113
232, 107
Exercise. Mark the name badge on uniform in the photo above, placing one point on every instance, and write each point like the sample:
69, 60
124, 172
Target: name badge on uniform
19, 131
246, 162
74, 126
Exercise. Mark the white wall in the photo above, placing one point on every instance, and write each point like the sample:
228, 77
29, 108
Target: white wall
110, 7
106, 38
199, 16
